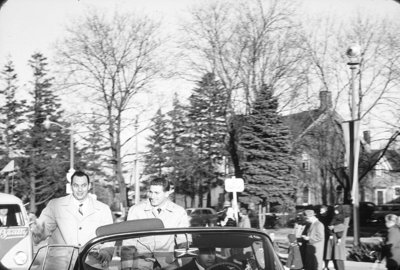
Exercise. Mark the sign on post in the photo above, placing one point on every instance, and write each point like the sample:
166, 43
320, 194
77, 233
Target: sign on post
234, 185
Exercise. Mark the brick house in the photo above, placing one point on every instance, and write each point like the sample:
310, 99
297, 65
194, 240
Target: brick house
319, 147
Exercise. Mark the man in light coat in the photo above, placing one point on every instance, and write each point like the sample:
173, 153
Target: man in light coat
157, 205
73, 219
314, 242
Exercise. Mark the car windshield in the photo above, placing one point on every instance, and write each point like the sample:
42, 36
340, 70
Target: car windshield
146, 244
14, 215
242, 250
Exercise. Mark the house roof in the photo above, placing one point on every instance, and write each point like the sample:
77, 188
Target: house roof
300, 123
391, 158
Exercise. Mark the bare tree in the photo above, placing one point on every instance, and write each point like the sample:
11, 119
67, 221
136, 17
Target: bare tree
110, 61
376, 78
247, 45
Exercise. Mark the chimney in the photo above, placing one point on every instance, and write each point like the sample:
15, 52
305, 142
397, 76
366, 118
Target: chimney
367, 137
325, 99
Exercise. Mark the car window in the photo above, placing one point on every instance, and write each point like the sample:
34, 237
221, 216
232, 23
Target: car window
55, 257
14, 214
172, 251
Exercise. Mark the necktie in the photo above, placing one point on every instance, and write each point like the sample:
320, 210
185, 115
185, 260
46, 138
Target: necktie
80, 209
159, 210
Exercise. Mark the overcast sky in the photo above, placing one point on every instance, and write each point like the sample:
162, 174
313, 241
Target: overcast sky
27, 26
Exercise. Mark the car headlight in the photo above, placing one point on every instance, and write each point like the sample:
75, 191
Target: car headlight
20, 258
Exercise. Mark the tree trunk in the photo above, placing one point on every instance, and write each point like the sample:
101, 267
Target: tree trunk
32, 195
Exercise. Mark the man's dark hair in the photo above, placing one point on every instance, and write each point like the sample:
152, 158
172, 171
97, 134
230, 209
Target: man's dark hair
159, 181
79, 174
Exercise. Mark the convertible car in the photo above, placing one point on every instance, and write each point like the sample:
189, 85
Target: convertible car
146, 244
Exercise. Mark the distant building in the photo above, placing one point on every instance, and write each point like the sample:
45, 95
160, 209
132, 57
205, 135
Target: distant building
319, 147
381, 183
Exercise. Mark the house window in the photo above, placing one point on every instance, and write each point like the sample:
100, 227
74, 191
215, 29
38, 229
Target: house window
396, 191
380, 196
306, 196
305, 161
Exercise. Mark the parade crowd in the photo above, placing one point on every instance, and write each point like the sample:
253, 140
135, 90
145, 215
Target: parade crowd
320, 237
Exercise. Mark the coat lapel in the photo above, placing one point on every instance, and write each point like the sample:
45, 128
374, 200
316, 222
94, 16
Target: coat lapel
70, 206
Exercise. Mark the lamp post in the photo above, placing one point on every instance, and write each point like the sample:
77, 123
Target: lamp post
353, 53
47, 123
136, 178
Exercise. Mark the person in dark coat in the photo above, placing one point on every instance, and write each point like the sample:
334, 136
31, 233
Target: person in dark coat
325, 216
294, 260
205, 259
335, 249
391, 249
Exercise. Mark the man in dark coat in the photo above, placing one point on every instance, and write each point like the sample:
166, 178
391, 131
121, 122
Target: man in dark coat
204, 259
335, 249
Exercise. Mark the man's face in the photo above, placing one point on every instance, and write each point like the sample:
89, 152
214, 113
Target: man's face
80, 187
3, 211
157, 195
206, 257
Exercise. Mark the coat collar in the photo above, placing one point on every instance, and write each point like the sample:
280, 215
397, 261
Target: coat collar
168, 205
70, 203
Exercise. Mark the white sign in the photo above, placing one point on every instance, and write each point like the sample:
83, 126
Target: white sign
234, 184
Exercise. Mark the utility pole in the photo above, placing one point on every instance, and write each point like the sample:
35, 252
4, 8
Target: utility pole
135, 174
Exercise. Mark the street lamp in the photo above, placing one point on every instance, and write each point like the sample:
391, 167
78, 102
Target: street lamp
353, 53
47, 123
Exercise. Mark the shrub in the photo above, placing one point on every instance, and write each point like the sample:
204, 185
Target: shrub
366, 252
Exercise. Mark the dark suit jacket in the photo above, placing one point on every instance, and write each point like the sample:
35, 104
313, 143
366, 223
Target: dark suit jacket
193, 266
189, 266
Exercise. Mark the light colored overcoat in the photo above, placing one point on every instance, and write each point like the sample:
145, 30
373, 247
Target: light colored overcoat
64, 224
314, 249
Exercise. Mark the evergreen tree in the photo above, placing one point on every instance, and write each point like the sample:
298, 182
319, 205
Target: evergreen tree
207, 117
156, 159
177, 144
93, 151
267, 165
11, 116
45, 169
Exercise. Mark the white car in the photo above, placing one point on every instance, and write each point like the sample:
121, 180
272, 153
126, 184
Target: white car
16, 245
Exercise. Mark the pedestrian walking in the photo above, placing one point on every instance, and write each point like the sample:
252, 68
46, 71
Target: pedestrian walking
336, 245
157, 205
314, 242
391, 248
294, 260
73, 219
